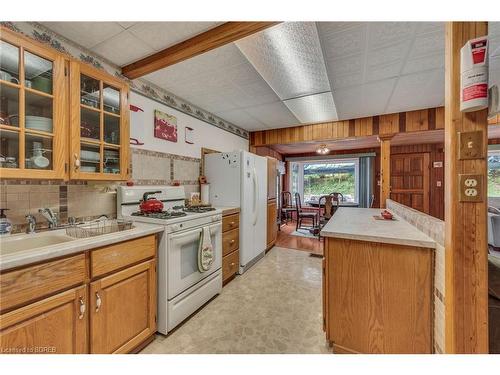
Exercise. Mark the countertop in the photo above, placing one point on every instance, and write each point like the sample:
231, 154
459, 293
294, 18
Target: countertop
228, 210
24, 257
359, 224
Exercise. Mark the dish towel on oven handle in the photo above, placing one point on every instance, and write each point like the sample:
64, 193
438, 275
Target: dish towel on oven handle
205, 251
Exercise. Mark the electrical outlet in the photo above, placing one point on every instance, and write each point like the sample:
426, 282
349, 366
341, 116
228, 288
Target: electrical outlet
471, 187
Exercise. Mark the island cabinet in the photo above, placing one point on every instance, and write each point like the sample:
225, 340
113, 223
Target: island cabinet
60, 118
377, 295
100, 301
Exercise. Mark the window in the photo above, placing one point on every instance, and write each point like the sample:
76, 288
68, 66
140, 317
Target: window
314, 179
494, 173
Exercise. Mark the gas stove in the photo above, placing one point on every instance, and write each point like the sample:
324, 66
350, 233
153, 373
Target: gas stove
199, 209
164, 215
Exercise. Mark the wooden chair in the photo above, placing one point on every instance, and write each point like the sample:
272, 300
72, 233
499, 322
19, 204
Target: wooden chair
287, 207
336, 199
301, 214
330, 205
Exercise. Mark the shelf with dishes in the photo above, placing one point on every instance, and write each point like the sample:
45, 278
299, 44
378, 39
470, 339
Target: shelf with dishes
90, 159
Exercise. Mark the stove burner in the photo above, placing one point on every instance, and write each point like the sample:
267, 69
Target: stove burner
199, 209
160, 215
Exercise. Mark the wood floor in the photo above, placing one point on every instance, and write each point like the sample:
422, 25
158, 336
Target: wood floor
287, 240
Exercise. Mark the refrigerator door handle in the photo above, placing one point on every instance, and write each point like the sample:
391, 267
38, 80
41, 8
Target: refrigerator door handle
255, 197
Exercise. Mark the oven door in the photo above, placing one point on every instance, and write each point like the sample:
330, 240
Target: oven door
182, 255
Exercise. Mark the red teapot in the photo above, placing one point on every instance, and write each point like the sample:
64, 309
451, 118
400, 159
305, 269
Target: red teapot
149, 205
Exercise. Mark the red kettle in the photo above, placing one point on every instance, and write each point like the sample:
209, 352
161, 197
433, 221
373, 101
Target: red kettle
149, 205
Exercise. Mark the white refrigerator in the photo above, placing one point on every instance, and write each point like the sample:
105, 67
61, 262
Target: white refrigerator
239, 179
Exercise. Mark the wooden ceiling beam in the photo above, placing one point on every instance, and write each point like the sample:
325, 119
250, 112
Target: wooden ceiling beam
201, 43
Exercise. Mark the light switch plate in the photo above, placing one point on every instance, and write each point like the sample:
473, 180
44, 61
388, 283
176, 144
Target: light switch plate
471, 188
471, 145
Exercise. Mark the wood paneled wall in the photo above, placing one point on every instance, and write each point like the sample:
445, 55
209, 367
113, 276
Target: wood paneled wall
436, 153
404, 122
266, 151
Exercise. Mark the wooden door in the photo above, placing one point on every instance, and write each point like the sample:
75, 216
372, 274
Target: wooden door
99, 125
56, 324
410, 180
272, 227
33, 109
123, 309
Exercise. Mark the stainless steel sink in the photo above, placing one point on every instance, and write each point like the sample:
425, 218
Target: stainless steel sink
24, 242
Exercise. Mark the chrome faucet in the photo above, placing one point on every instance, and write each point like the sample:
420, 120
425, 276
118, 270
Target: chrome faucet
31, 224
51, 217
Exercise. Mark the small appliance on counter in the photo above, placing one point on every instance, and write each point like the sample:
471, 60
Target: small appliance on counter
5, 224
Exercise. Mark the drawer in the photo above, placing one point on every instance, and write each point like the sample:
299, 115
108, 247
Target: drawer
230, 222
230, 265
230, 241
121, 255
24, 285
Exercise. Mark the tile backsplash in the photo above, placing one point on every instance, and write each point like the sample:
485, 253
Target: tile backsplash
86, 200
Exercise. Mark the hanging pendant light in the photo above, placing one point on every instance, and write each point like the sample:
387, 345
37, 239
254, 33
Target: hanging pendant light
322, 149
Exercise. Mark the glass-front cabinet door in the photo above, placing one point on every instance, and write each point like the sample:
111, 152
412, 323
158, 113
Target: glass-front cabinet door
99, 125
32, 109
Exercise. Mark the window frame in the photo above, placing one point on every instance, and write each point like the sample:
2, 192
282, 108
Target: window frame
300, 179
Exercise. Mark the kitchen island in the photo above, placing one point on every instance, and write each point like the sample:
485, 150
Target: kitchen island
377, 284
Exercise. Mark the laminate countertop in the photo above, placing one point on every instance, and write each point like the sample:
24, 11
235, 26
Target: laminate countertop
360, 224
17, 258
229, 210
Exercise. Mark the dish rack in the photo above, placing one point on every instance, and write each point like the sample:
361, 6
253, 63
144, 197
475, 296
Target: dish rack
97, 228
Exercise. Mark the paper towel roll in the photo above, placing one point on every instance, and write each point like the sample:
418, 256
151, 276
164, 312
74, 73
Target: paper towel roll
205, 193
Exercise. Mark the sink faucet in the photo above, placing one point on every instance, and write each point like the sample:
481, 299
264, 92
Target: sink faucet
51, 217
31, 224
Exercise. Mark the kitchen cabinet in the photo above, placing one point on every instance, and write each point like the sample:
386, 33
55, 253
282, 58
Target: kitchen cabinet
230, 244
123, 309
98, 301
272, 176
59, 118
272, 227
57, 324
33, 109
99, 125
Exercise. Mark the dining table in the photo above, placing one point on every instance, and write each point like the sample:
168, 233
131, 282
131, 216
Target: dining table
315, 203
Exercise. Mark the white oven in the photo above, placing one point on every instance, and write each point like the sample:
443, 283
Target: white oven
183, 248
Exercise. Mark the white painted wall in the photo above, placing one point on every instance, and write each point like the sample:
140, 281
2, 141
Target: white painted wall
205, 135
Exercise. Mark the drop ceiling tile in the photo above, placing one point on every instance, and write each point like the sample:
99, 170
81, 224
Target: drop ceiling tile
385, 33
87, 34
289, 58
242, 119
273, 115
384, 71
428, 44
126, 25
420, 90
346, 66
348, 41
123, 48
313, 108
363, 100
389, 54
346, 80
160, 35
422, 64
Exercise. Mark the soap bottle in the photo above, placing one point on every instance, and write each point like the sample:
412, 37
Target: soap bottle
5, 224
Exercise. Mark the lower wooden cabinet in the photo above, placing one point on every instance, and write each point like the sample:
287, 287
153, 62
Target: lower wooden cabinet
72, 313
123, 309
57, 324
230, 244
272, 226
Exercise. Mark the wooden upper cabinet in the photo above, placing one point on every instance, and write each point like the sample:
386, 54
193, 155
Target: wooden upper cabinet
272, 173
33, 109
99, 146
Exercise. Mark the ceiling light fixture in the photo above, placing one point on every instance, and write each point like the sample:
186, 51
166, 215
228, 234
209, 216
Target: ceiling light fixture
322, 149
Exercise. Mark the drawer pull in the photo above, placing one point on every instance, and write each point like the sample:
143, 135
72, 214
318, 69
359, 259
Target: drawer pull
231, 242
232, 264
82, 308
232, 223
98, 302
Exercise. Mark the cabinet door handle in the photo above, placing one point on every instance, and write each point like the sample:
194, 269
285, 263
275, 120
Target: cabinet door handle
82, 308
232, 241
232, 264
98, 301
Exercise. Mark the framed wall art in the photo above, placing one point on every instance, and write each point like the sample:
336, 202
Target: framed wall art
165, 126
